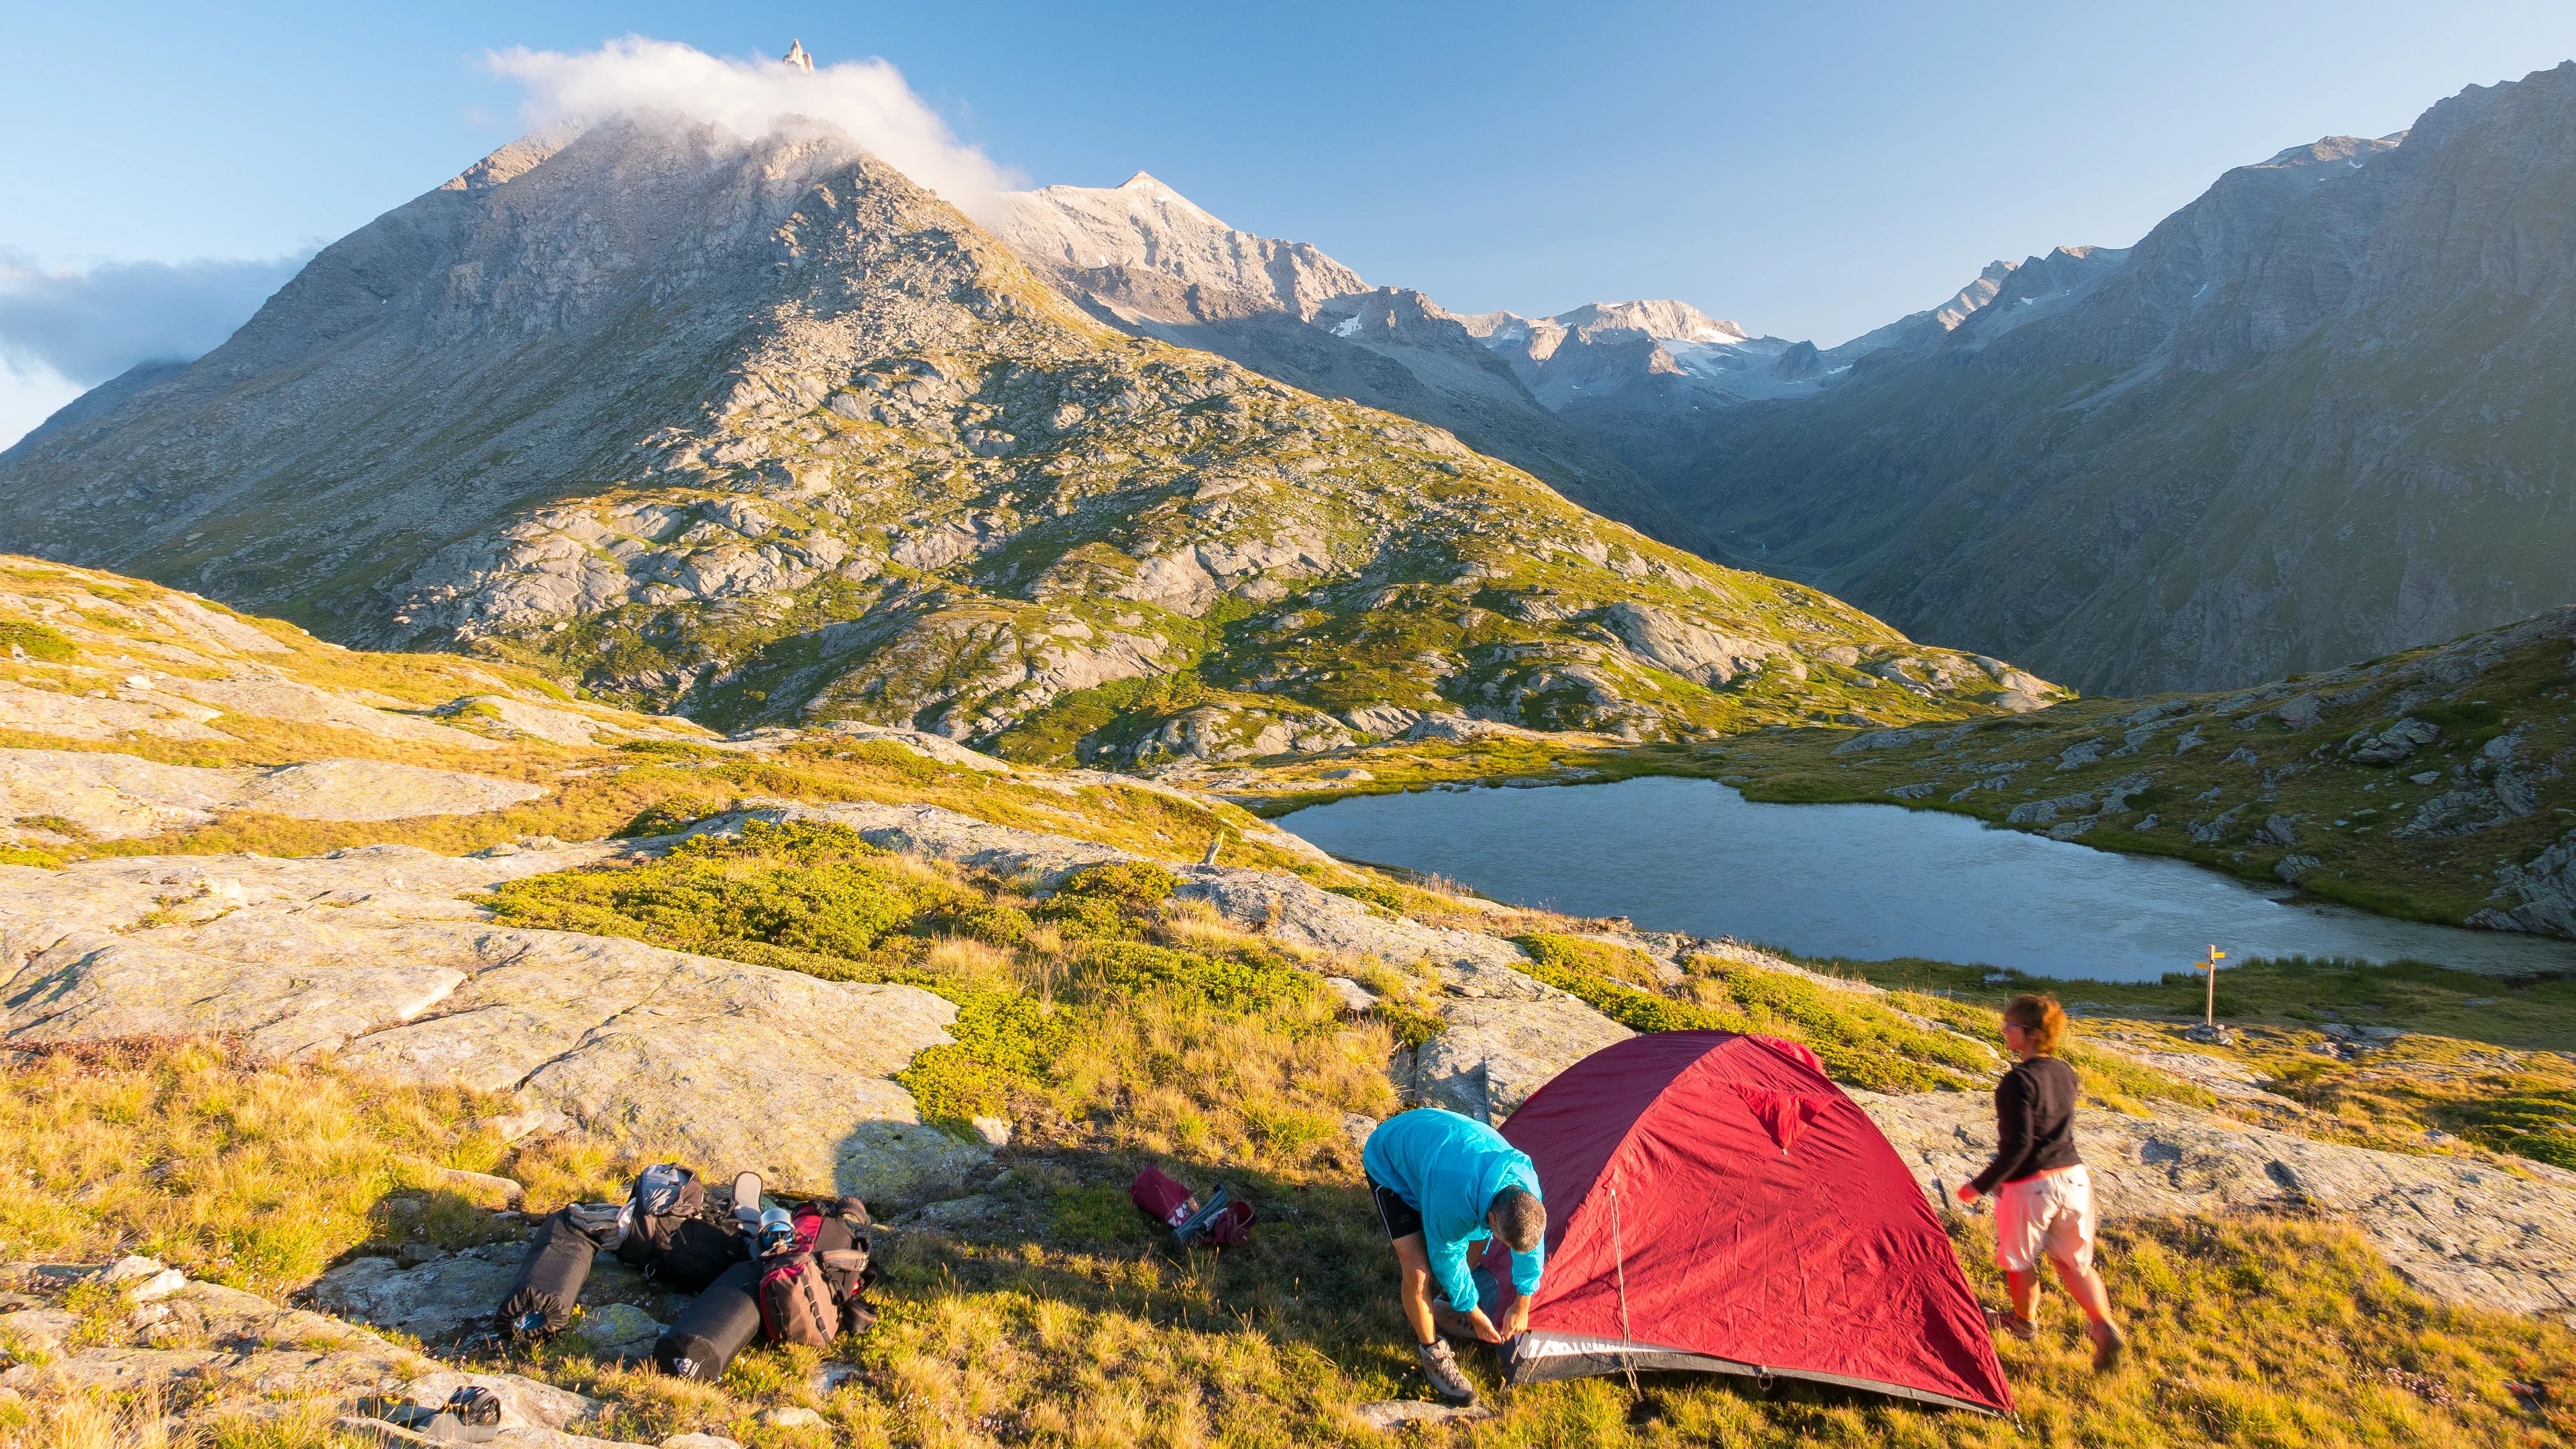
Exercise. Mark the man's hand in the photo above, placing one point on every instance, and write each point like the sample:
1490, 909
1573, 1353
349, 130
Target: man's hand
1516, 1316
1484, 1326
1967, 1192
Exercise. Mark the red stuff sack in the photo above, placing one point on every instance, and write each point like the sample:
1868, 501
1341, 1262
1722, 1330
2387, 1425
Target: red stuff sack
1163, 1200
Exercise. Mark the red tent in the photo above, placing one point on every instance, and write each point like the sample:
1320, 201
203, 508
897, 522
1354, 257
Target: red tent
1716, 1203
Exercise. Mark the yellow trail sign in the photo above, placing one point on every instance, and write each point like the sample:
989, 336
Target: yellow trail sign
2210, 965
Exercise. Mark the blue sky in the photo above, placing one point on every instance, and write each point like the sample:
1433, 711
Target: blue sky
1807, 169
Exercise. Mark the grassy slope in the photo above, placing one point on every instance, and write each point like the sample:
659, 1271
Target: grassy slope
1118, 1027
91, 630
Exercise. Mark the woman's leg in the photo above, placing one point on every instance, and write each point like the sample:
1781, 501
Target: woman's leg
2083, 1284
2022, 1284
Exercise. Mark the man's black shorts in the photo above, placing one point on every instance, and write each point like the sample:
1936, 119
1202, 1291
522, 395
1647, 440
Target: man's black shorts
1402, 1219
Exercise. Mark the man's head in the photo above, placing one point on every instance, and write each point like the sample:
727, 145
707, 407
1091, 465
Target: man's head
2040, 1021
1518, 1218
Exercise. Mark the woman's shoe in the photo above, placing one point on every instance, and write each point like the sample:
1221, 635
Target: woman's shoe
2002, 1320
2108, 1344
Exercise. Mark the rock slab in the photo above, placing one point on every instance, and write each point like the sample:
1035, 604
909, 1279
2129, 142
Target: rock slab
369, 956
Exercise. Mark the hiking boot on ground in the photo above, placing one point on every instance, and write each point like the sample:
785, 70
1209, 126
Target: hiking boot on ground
1440, 1366
2004, 1320
2108, 1344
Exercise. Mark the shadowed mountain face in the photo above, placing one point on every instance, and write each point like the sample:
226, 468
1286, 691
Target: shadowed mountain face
761, 432
2319, 414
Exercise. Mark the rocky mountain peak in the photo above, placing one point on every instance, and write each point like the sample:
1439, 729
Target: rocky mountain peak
1661, 319
797, 58
1141, 249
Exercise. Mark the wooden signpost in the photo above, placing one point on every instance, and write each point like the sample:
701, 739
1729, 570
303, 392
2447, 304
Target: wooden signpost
2209, 1018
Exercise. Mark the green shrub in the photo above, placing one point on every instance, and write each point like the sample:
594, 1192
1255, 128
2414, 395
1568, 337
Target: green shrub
1385, 897
990, 921
1412, 1025
1136, 884
1006, 1042
1859, 1040
1231, 985
1597, 958
39, 642
671, 816
1086, 918
2526, 1117
810, 888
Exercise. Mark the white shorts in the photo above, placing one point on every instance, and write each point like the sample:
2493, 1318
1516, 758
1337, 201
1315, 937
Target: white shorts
2051, 1215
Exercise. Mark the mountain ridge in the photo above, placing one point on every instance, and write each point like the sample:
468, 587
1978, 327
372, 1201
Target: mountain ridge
2313, 417
762, 433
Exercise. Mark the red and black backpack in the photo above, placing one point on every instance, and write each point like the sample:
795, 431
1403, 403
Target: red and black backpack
815, 1285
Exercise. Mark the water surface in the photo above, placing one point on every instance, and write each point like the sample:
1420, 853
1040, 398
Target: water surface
1867, 882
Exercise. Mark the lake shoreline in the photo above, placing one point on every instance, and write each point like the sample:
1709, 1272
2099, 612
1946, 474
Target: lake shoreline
2308, 924
1799, 767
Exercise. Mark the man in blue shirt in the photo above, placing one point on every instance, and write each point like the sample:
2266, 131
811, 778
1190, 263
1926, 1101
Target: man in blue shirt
1444, 1183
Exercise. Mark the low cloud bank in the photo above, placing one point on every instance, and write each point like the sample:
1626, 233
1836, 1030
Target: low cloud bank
867, 98
88, 326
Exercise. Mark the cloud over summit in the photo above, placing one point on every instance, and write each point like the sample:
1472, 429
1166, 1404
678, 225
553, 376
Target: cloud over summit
867, 98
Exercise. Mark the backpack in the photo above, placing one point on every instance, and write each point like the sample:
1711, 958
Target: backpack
666, 1235
814, 1286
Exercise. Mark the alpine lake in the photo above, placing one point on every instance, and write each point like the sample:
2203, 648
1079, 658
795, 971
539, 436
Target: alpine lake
1870, 882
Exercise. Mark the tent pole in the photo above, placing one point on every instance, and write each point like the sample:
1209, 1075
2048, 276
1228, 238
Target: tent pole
1619, 1265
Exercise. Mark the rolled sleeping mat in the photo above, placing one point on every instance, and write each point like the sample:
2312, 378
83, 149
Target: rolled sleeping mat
714, 1327
549, 1280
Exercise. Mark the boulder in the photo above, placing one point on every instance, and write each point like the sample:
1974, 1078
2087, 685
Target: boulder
2539, 895
1288, 909
1491, 1055
2394, 743
1389, 1415
431, 1302
535, 721
1678, 646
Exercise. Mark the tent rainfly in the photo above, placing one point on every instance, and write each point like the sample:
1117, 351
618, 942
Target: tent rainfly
1716, 1203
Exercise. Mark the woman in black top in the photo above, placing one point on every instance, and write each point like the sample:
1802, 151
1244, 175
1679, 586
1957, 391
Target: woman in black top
2043, 1196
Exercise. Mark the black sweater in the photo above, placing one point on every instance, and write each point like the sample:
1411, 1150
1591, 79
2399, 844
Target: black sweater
2034, 1122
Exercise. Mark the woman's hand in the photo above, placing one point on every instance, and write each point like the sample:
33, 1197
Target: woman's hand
1968, 1192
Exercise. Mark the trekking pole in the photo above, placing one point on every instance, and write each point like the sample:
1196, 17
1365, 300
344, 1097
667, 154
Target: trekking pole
1619, 1265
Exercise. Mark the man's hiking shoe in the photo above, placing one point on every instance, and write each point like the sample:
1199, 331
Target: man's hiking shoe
2004, 1320
1441, 1367
2108, 1344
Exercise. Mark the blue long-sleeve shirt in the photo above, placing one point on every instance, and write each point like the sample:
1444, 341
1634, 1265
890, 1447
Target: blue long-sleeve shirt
1448, 1168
